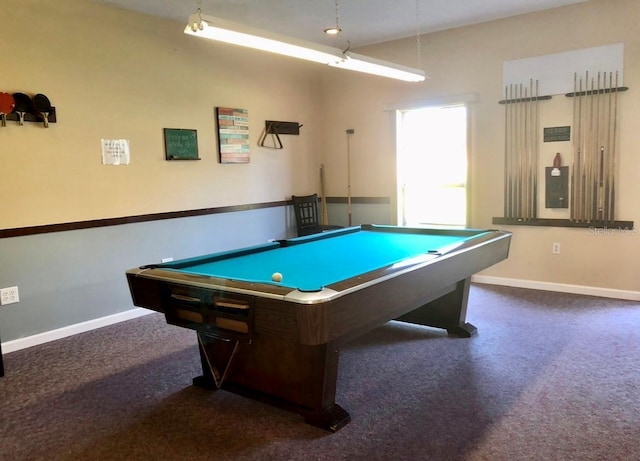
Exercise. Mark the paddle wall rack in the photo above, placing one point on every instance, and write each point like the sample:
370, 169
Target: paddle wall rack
31, 117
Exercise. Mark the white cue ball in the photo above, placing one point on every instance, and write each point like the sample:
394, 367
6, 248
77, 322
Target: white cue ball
276, 277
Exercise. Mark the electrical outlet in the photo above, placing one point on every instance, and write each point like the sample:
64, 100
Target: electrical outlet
555, 249
9, 296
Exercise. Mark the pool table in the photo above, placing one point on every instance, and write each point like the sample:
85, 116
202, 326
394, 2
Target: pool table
278, 341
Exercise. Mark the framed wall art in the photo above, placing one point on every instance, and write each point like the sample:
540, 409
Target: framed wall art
233, 135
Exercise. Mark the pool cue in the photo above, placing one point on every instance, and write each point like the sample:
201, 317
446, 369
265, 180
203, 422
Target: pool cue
506, 151
607, 198
585, 165
608, 168
349, 133
519, 151
511, 150
525, 155
613, 150
525, 152
514, 152
583, 153
577, 152
522, 138
572, 197
577, 140
325, 213
597, 183
584, 148
606, 123
595, 151
601, 185
593, 182
518, 154
522, 154
534, 149
589, 153
530, 153
604, 149
601, 148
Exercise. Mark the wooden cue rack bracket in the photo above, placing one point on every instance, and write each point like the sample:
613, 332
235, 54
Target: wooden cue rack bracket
553, 222
619, 89
275, 129
516, 100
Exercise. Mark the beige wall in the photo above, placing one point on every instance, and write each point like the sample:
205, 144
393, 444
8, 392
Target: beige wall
114, 74
469, 61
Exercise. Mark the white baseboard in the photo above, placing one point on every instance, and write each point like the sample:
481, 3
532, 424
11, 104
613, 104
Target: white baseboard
41, 338
559, 287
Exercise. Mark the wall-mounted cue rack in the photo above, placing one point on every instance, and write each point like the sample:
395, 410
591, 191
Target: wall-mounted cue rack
593, 170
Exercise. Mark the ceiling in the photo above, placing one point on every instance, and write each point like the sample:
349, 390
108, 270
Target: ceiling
363, 22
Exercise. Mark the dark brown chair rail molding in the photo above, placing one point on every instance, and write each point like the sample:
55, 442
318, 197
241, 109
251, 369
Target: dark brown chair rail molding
76, 225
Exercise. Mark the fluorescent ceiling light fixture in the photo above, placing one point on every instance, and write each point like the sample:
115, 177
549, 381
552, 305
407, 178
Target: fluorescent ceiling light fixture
203, 25
359, 63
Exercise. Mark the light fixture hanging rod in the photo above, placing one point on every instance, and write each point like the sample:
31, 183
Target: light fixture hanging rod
203, 25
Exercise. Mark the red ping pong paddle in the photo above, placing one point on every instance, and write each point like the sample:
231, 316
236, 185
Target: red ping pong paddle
7, 104
22, 107
42, 107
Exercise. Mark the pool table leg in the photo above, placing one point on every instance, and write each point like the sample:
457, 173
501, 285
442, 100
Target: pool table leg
327, 414
297, 378
330, 419
449, 312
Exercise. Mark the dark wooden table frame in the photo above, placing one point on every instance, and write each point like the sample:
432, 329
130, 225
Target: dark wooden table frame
288, 354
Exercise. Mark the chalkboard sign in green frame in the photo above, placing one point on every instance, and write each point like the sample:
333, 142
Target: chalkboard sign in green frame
180, 144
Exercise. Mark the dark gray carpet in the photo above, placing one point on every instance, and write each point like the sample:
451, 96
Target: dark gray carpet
550, 376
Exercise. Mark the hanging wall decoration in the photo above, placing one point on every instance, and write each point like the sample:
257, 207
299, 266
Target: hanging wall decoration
180, 144
233, 135
115, 152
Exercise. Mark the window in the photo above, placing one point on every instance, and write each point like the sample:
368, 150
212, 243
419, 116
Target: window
432, 166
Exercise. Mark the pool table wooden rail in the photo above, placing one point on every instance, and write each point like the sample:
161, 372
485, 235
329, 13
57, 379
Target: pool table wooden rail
347, 312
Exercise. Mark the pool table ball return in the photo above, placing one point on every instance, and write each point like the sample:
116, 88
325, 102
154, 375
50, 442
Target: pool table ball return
271, 319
